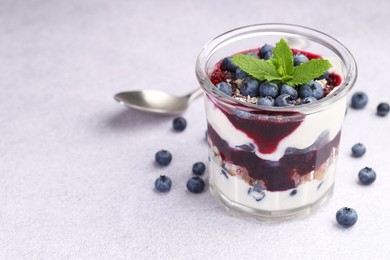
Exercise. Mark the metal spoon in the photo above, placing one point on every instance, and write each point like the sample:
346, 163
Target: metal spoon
157, 101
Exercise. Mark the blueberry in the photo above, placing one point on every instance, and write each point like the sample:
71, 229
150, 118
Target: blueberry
179, 124
299, 59
195, 185
249, 87
225, 173
257, 192
240, 74
308, 100
269, 89
225, 88
311, 89
359, 100
242, 114
251, 54
268, 55
346, 217
198, 168
227, 64
266, 101
293, 193
358, 150
382, 109
163, 183
163, 157
286, 89
367, 176
247, 147
266, 50
323, 76
284, 100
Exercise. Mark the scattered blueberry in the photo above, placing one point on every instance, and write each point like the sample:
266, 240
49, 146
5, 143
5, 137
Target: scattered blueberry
249, 87
359, 100
311, 89
195, 185
367, 176
346, 217
163, 183
284, 100
299, 59
179, 124
240, 74
286, 89
225, 88
163, 157
227, 64
269, 89
358, 150
266, 101
266, 51
308, 100
198, 168
382, 109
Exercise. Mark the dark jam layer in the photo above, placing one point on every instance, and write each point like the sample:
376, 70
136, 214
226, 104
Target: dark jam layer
277, 175
266, 132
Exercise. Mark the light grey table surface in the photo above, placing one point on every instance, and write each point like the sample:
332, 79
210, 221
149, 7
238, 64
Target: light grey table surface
76, 168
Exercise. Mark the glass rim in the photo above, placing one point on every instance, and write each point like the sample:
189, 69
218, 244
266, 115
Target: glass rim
307, 33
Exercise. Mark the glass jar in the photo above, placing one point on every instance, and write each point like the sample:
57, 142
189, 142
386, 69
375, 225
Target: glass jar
274, 162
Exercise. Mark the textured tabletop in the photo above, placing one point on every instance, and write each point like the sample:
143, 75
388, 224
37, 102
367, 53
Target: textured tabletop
77, 169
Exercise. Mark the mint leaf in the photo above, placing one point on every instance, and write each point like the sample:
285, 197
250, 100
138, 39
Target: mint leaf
307, 71
270, 78
283, 56
278, 65
257, 68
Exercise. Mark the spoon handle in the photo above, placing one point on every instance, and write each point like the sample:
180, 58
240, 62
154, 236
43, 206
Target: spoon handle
194, 94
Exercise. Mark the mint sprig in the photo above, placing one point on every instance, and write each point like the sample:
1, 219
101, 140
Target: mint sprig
280, 68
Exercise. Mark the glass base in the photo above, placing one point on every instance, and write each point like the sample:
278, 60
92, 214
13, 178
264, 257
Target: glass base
271, 215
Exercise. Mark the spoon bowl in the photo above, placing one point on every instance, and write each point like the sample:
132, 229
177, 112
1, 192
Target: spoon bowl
157, 101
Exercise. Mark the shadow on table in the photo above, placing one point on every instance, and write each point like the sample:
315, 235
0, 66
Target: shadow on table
135, 120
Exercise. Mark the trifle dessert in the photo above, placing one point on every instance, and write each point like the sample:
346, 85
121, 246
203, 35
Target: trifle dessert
275, 103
